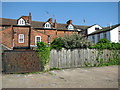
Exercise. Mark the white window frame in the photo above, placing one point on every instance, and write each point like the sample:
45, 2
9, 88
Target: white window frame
47, 25
36, 39
20, 38
69, 27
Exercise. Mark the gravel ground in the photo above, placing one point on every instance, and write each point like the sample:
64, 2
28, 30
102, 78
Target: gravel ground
94, 77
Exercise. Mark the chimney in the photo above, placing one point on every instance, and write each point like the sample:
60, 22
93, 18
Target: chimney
29, 18
55, 24
69, 22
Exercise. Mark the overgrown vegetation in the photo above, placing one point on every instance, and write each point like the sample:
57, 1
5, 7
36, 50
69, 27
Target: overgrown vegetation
105, 44
43, 52
57, 43
70, 42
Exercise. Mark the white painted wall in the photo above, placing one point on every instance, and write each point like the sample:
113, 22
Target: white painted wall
92, 29
101, 35
108, 35
95, 36
90, 38
114, 35
21, 21
47, 25
70, 27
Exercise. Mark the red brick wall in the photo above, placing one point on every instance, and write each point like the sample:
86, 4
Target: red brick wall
34, 33
21, 30
6, 37
52, 34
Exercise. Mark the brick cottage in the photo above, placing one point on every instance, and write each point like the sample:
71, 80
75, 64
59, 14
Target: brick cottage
25, 33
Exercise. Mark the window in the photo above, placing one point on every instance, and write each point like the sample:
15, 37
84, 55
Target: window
70, 27
105, 35
21, 38
98, 37
96, 28
37, 39
47, 25
93, 39
22, 22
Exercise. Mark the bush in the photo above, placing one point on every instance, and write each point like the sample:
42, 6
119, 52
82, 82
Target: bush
70, 42
43, 52
57, 43
105, 44
75, 41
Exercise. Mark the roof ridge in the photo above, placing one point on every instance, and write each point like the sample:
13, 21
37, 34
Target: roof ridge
8, 18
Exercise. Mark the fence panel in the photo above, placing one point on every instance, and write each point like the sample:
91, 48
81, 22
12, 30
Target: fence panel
79, 57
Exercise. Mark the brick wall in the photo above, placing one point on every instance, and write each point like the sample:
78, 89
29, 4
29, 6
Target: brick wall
21, 30
21, 61
34, 33
6, 37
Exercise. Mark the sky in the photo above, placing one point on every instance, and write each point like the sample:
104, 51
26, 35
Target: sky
102, 13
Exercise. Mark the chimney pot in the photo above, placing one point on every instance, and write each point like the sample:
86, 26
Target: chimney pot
55, 20
29, 18
29, 14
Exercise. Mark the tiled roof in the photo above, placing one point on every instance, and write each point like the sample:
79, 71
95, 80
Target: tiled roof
81, 27
6, 21
38, 24
25, 17
105, 29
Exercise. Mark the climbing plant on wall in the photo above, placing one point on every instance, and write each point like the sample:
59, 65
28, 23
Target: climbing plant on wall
43, 52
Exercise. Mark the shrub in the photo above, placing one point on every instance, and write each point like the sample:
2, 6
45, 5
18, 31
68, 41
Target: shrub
43, 52
70, 42
105, 44
57, 43
75, 41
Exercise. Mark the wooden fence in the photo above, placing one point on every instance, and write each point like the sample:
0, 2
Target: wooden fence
20, 61
78, 57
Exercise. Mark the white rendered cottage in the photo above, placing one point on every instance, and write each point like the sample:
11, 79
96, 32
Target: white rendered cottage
112, 33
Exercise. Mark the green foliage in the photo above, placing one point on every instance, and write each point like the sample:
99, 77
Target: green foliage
70, 42
43, 52
86, 64
75, 41
105, 44
113, 60
95, 65
54, 69
57, 43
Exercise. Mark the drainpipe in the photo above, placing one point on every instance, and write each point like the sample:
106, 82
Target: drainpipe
12, 37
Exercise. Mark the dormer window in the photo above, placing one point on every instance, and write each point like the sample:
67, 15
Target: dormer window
70, 27
47, 25
21, 22
96, 28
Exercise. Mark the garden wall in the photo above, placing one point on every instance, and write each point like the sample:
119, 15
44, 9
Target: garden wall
81, 57
20, 61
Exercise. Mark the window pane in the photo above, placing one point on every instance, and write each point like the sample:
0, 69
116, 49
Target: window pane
21, 38
38, 39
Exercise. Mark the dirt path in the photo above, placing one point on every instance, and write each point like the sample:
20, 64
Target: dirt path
95, 77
